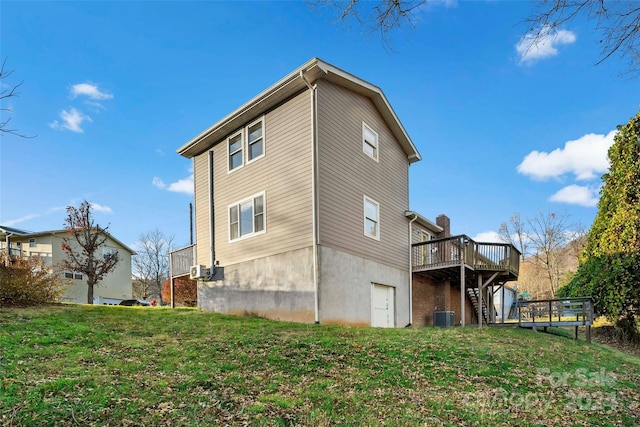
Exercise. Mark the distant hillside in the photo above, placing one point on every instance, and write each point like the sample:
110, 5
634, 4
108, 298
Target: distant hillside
534, 277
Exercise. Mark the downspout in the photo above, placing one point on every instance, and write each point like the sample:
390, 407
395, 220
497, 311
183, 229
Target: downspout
212, 220
415, 217
314, 210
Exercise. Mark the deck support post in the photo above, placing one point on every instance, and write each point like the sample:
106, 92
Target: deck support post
588, 333
463, 292
480, 300
502, 304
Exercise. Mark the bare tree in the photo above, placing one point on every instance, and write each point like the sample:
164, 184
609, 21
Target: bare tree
550, 246
616, 22
381, 16
8, 91
515, 233
577, 241
151, 264
85, 240
549, 234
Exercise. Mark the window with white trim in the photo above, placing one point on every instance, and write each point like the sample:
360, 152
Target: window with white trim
72, 275
255, 140
235, 150
32, 243
247, 217
371, 218
369, 142
246, 145
106, 252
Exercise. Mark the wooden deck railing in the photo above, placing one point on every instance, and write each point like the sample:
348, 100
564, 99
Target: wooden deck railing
556, 312
181, 260
563, 312
456, 250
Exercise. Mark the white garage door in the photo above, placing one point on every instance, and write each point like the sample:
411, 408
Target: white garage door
382, 306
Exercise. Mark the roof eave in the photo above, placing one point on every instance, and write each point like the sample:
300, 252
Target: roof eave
56, 232
289, 85
424, 221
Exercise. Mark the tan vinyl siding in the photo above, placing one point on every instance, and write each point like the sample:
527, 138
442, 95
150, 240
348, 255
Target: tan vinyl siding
416, 233
201, 211
347, 174
284, 174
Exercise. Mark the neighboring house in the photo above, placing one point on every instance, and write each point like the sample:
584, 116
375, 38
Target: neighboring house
47, 245
302, 196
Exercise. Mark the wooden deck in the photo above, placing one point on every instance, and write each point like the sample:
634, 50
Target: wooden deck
452, 252
564, 312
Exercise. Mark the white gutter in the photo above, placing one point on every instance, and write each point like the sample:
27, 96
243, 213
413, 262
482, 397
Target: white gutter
314, 209
415, 217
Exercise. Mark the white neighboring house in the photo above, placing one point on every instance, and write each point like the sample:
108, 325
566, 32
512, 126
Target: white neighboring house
113, 288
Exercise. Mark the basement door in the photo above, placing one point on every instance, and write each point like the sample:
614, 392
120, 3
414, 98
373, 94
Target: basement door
382, 306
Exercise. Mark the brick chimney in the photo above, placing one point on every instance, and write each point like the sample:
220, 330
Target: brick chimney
445, 223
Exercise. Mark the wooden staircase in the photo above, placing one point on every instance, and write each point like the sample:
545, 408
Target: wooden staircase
474, 296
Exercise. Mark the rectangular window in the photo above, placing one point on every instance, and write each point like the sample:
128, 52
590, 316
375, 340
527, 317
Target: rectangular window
108, 251
255, 141
72, 275
249, 140
236, 159
369, 142
246, 218
32, 243
371, 218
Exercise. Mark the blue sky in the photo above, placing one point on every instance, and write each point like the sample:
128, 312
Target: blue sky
112, 89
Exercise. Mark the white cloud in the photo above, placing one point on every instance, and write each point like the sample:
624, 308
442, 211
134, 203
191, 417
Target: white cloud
90, 90
488, 237
99, 208
72, 120
12, 222
585, 157
184, 185
577, 195
532, 48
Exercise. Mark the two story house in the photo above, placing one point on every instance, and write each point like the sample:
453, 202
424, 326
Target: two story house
302, 197
47, 245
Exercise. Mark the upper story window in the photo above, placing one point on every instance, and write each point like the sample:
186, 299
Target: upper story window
108, 251
73, 275
371, 218
235, 147
32, 243
255, 140
249, 140
247, 217
369, 142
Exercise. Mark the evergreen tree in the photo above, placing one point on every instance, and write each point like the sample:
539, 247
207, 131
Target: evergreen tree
609, 267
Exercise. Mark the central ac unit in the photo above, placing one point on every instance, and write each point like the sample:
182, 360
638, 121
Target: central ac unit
443, 318
198, 272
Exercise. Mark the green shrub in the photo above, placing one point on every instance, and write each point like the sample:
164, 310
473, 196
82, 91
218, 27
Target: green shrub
28, 282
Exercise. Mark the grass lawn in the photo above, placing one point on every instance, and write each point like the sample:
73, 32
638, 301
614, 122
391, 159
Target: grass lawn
98, 365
